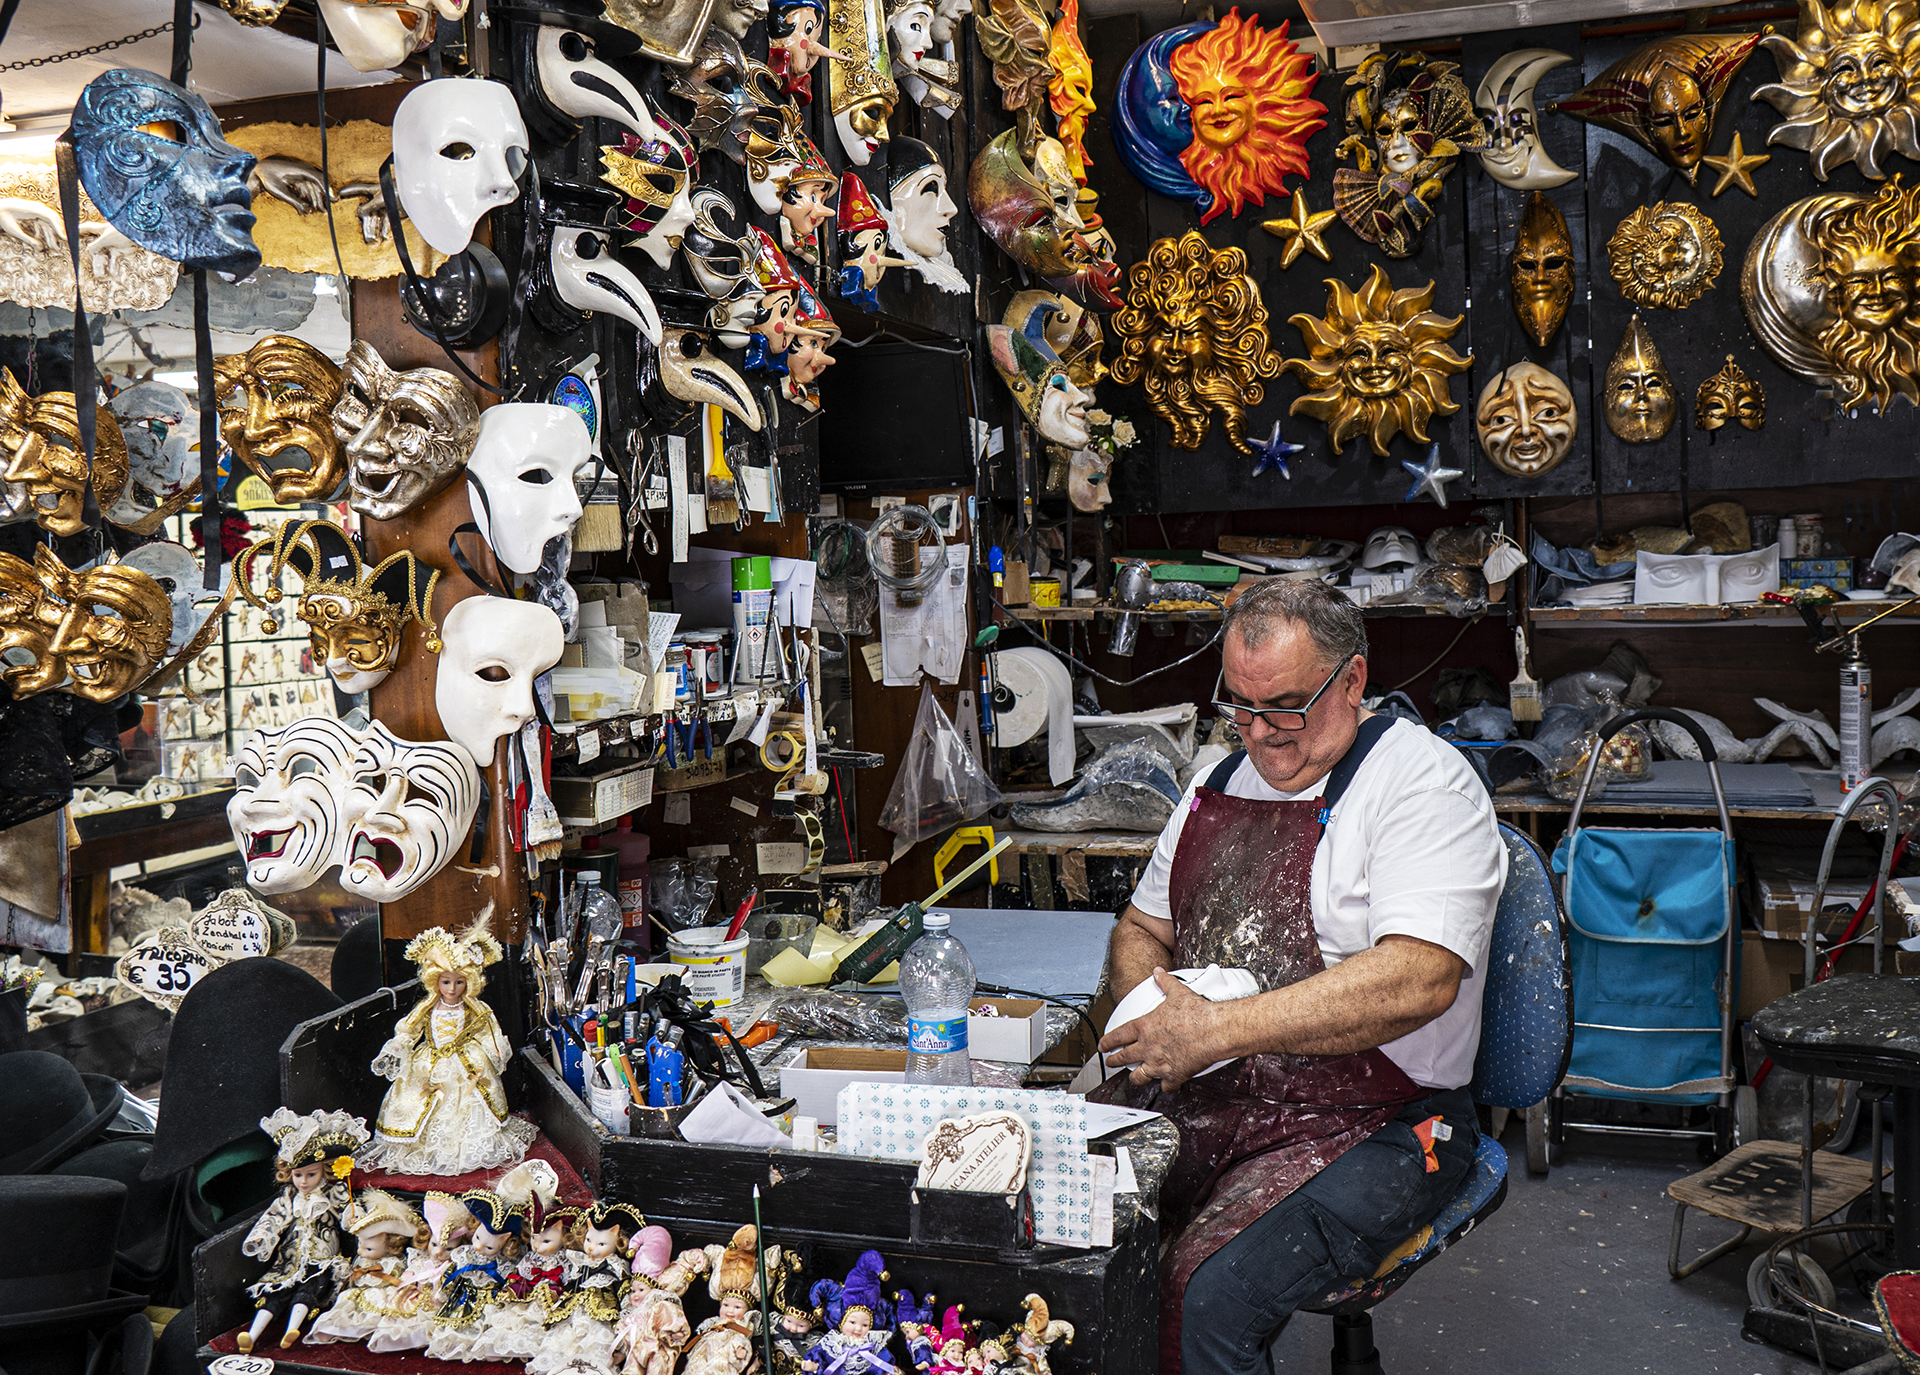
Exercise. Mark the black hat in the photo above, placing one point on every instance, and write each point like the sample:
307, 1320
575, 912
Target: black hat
905, 156
357, 961
48, 1109
223, 1057
146, 1245
63, 1279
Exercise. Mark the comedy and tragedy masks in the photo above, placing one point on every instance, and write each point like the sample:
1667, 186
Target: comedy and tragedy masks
1513, 155
40, 439
405, 435
1408, 122
1665, 96
1070, 87
1038, 379
1829, 290
1194, 335
1639, 401
1218, 114
931, 81
276, 402
1541, 269
1665, 256
1378, 364
96, 632
1066, 327
1526, 420
1729, 396
356, 615
860, 90
1848, 89
1022, 214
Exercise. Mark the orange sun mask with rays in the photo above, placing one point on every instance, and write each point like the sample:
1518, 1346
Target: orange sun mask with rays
1070, 88
1250, 91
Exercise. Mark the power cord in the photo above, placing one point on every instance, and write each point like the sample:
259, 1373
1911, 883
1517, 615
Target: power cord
1081, 663
1077, 1010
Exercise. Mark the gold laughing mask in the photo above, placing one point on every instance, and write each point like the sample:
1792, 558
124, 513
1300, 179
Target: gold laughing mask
1541, 269
97, 633
1665, 256
1639, 401
356, 616
41, 439
276, 399
1729, 395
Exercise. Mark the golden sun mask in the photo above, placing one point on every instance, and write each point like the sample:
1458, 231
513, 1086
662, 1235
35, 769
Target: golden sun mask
97, 633
1665, 256
1843, 93
1639, 401
1541, 269
40, 436
1729, 396
277, 399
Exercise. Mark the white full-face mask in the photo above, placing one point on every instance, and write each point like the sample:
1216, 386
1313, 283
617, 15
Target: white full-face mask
659, 242
1390, 544
375, 35
923, 209
1705, 579
411, 806
162, 430
577, 83
492, 650
1063, 413
523, 465
459, 147
587, 276
291, 802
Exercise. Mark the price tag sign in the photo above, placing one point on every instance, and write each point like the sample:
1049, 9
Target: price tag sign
240, 1365
163, 966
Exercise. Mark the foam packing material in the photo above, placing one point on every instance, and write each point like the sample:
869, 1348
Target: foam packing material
791, 969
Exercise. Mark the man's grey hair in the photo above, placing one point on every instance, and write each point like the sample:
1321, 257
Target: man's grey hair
1332, 622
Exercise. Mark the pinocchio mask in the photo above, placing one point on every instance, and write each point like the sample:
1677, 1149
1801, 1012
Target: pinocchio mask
275, 402
97, 633
41, 438
1541, 269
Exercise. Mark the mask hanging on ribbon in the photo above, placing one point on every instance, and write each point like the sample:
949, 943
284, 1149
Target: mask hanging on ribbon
493, 650
40, 441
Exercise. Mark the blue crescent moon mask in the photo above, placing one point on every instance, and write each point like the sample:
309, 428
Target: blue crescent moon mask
1152, 123
152, 158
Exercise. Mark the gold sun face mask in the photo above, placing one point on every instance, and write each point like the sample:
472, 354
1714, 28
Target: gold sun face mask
40, 436
276, 402
97, 633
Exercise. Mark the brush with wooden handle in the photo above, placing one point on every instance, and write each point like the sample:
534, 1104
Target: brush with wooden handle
1523, 693
723, 503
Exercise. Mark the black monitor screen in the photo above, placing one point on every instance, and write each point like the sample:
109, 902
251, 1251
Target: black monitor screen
894, 416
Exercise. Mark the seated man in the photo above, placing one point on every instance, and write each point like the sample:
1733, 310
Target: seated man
1351, 863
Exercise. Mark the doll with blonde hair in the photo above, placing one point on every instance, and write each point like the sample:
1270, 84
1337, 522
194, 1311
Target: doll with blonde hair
381, 1226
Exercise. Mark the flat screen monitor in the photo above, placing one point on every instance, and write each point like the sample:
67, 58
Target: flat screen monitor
894, 416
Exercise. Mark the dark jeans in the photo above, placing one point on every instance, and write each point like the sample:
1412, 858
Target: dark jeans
1338, 1226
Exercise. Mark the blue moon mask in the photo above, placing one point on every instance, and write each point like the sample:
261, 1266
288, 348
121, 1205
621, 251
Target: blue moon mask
152, 158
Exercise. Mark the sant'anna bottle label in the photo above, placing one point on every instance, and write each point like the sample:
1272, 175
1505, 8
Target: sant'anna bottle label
936, 1038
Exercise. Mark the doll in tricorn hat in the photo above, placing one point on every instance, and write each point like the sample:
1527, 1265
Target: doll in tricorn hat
299, 1234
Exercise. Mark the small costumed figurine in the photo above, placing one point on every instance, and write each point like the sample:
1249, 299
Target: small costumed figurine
418, 1298
914, 1322
951, 1359
446, 1113
299, 1234
653, 1329
796, 1329
727, 1343
1027, 1345
859, 1321
517, 1324
382, 1226
478, 1278
580, 1333
863, 244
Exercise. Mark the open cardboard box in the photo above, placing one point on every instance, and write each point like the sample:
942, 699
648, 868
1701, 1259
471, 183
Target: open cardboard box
1018, 1033
814, 1077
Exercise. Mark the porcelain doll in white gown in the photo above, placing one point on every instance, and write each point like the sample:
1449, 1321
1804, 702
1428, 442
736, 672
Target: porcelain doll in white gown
653, 1328
382, 1227
418, 1297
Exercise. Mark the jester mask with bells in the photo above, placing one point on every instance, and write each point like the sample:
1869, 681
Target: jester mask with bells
1665, 96
356, 616
1408, 122
1639, 401
1194, 335
275, 405
1729, 396
1541, 269
1047, 397
1665, 256
40, 436
1526, 420
97, 632
406, 435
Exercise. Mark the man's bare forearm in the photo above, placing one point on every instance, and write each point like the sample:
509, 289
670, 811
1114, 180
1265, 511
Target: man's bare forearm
1373, 997
1135, 951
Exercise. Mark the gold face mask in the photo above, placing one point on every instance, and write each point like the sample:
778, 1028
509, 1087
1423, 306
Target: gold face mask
1541, 269
1729, 396
41, 438
98, 633
1639, 402
1665, 256
277, 398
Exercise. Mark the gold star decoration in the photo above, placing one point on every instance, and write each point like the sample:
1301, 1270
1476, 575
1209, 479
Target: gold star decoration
1736, 168
1302, 229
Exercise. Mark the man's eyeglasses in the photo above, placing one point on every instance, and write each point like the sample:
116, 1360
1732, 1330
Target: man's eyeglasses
1276, 718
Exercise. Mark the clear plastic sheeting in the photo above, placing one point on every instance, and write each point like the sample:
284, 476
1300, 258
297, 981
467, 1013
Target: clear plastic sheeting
940, 784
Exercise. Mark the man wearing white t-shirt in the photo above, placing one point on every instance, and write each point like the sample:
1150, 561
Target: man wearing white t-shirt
1351, 863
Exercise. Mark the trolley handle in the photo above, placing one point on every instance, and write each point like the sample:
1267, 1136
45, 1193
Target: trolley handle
1686, 723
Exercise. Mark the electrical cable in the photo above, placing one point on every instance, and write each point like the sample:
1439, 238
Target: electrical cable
1044, 643
1472, 621
889, 544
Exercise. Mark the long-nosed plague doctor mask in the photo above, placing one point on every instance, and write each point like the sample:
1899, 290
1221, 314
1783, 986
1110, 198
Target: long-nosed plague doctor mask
521, 473
376, 35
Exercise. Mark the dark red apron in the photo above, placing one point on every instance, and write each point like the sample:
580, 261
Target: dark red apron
1255, 1130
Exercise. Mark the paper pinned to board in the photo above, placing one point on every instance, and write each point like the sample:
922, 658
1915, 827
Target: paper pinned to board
758, 490
929, 637
677, 497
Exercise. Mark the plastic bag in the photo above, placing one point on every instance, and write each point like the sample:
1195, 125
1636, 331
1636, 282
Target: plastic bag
840, 1017
683, 890
1626, 758
940, 784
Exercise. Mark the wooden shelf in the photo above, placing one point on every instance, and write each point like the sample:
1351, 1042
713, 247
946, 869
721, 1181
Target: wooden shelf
1126, 843
1744, 614
620, 730
1088, 613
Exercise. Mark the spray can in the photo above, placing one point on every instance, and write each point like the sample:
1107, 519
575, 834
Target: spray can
755, 658
1856, 713
665, 1067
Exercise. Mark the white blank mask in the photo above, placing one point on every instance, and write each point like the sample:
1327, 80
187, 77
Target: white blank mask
492, 650
523, 465
459, 146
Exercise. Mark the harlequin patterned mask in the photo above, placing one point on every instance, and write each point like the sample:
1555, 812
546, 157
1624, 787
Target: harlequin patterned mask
405, 435
292, 802
97, 633
275, 400
40, 437
1665, 96
1729, 395
409, 810
658, 179
152, 159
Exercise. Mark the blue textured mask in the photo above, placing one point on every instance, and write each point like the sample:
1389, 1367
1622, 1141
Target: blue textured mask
152, 158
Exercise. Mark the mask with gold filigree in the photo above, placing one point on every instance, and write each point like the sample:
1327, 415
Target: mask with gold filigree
40, 436
860, 88
1665, 256
97, 633
356, 616
1728, 396
276, 402
1665, 96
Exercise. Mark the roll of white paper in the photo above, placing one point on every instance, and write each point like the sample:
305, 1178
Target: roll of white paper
1042, 696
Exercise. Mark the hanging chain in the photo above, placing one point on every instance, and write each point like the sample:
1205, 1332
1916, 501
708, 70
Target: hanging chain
96, 49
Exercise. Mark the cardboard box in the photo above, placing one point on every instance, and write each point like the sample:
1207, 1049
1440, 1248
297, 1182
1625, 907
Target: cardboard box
695, 775
600, 798
1781, 904
1018, 1034
1771, 969
814, 1077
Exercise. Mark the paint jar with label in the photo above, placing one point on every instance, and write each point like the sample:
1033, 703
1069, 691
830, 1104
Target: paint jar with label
679, 663
1809, 534
756, 657
714, 968
1046, 591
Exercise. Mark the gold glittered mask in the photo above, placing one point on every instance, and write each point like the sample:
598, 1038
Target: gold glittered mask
1728, 396
1665, 95
1378, 365
1194, 335
1526, 420
97, 633
1541, 269
1847, 90
275, 403
1665, 256
1408, 121
40, 436
1639, 401
861, 92
1070, 329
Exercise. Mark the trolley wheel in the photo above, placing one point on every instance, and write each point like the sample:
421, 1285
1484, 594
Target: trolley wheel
1746, 1115
1874, 1257
1722, 1140
1537, 1146
1768, 1287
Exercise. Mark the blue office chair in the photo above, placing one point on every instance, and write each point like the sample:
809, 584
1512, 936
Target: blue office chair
1526, 1035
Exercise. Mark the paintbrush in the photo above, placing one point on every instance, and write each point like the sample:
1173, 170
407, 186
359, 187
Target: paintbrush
760, 1264
723, 503
1523, 693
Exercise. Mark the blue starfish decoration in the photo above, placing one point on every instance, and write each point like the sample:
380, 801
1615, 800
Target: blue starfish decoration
1273, 453
1430, 477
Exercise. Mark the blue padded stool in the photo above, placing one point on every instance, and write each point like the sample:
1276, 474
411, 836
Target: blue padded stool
1526, 1035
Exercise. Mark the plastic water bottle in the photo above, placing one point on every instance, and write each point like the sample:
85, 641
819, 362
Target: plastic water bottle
936, 979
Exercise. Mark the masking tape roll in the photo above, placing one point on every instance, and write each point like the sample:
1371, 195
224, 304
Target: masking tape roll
796, 756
